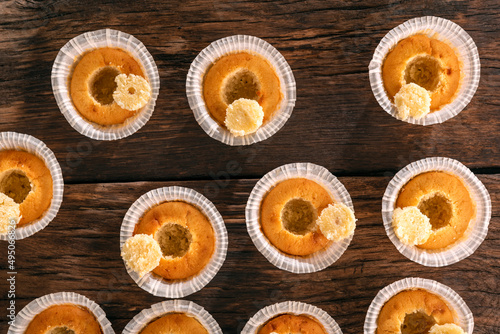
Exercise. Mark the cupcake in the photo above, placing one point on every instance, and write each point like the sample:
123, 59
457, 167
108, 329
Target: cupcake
63, 312
300, 217
425, 71
105, 83
175, 316
31, 185
436, 211
241, 90
175, 244
291, 317
415, 305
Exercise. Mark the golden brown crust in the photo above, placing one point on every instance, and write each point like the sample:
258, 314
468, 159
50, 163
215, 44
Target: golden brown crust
269, 95
289, 323
395, 63
40, 197
454, 190
79, 85
178, 323
202, 244
270, 216
392, 314
73, 317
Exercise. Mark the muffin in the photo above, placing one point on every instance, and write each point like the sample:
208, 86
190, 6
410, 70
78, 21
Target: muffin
426, 62
242, 75
413, 311
445, 200
97, 79
26, 179
185, 236
66, 318
291, 323
179, 323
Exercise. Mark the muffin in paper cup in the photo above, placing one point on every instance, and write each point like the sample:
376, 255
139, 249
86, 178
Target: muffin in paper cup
27, 143
445, 31
296, 264
28, 313
477, 228
464, 317
68, 57
290, 307
155, 284
229, 45
159, 310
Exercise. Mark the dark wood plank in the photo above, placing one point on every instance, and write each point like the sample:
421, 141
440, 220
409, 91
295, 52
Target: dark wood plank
336, 123
79, 251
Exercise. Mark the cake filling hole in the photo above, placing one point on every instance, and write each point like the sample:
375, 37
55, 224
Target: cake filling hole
174, 239
417, 323
298, 216
131, 90
438, 208
103, 85
61, 330
16, 185
241, 84
424, 71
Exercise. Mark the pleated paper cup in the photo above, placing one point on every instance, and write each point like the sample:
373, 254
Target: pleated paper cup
155, 284
445, 31
478, 226
29, 312
296, 264
70, 55
225, 46
27, 143
172, 306
463, 314
290, 307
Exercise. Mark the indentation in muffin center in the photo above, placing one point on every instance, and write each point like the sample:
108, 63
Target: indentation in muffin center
424, 71
241, 84
102, 85
61, 330
438, 208
417, 323
16, 185
299, 216
174, 239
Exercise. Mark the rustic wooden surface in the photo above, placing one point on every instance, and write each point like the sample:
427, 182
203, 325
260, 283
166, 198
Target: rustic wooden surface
336, 123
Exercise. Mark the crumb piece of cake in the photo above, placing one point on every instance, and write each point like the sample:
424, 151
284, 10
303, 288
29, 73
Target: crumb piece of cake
446, 329
411, 226
412, 100
142, 253
132, 91
337, 222
244, 116
8, 209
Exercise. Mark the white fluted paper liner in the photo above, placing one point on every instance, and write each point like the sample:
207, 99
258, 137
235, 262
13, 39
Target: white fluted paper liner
290, 307
443, 30
64, 64
232, 44
464, 317
158, 310
155, 284
24, 142
296, 264
478, 226
26, 315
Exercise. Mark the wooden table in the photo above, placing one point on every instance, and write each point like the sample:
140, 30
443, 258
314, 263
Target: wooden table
336, 123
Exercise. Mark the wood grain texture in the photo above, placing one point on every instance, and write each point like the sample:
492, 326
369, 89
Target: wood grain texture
336, 123
328, 45
79, 251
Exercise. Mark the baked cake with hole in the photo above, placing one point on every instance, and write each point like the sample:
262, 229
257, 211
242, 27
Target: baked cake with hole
185, 235
179, 323
64, 319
